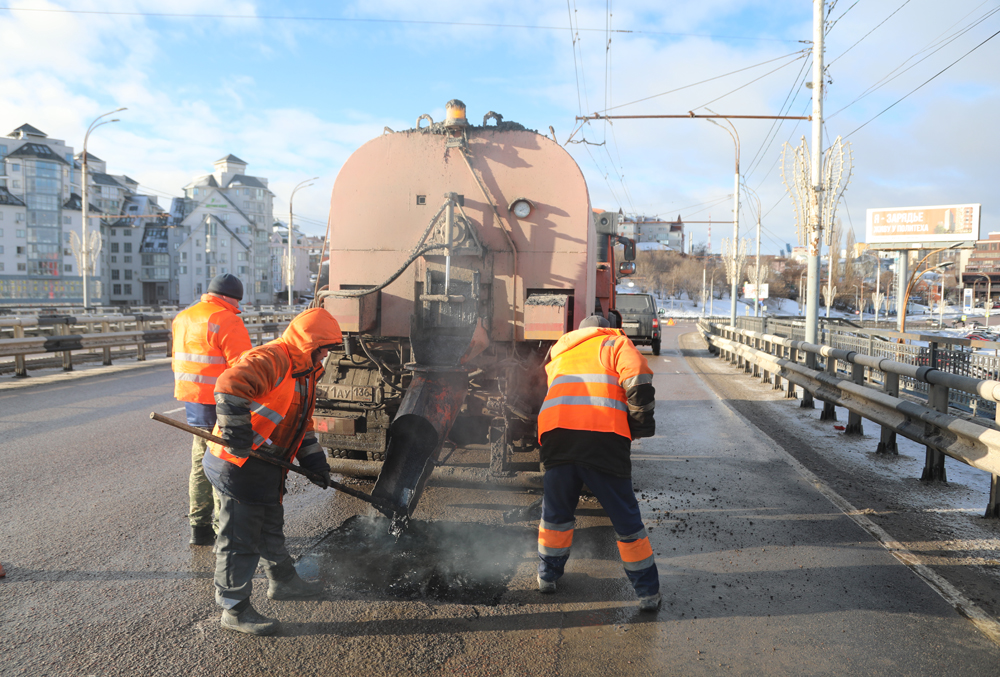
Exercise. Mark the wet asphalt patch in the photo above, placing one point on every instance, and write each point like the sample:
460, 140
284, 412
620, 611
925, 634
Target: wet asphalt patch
452, 562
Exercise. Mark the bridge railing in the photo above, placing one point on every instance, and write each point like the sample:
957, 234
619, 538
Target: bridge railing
916, 391
92, 337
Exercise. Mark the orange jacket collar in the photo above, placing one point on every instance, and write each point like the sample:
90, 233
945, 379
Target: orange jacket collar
577, 336
212, 298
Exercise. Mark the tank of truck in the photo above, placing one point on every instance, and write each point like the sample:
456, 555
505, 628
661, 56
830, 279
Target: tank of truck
458, 254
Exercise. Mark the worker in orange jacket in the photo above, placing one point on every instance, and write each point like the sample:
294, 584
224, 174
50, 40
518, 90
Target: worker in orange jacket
600, 397
265, 402
207, 337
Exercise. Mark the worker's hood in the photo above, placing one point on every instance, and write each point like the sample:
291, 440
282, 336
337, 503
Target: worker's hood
578, 336
311, 329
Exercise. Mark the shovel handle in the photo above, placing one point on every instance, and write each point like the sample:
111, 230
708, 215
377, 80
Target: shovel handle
267, 458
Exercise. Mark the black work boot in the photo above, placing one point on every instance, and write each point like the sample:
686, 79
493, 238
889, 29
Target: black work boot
248, 621
293, 588
202, 536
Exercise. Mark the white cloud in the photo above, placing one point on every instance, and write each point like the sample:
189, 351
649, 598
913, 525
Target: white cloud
294, 99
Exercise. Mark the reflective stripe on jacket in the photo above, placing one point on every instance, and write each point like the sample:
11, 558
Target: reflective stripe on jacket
589, 375
266, 398
269, 410
207, 338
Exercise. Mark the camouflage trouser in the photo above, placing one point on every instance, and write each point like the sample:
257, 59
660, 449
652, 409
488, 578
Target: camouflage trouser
204, 501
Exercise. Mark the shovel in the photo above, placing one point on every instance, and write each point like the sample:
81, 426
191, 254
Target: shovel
383, 506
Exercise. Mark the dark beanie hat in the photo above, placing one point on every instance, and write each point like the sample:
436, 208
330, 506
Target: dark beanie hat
595, 321
226, 285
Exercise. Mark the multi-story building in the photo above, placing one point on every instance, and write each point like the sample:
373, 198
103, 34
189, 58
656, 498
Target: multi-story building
227, 216
302, 282
982, 269
13, 235
37, 172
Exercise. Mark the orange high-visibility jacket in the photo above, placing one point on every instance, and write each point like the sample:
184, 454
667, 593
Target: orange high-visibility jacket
276, 385
589, 376
208, 337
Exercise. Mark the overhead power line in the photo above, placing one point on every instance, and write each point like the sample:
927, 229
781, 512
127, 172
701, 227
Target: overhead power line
926, 82
418, 22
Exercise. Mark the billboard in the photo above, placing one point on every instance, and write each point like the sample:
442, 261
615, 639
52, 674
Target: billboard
915, 227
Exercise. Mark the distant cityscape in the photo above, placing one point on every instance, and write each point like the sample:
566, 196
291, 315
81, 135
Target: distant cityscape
145, 254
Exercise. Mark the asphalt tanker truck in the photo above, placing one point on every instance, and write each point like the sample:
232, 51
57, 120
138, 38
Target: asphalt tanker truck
458, 254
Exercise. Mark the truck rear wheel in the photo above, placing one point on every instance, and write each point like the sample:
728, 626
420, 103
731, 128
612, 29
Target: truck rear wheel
656, 347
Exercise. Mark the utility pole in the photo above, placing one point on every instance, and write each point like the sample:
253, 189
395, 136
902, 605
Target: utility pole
815, 198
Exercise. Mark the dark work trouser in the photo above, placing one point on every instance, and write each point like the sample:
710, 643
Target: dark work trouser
563, 484
202, 497
248, 534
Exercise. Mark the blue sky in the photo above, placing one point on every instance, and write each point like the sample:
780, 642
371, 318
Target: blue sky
295, 96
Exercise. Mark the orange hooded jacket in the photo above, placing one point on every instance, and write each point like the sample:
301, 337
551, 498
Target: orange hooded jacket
267, 397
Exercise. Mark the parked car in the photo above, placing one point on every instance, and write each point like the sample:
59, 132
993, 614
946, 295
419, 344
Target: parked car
639, 320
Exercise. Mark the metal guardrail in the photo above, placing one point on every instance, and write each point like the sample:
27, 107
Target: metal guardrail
869, 387
25, 336
954, 355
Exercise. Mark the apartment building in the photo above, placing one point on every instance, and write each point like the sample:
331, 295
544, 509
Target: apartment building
227, 216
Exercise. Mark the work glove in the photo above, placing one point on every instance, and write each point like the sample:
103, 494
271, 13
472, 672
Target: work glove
236, 451
321, 478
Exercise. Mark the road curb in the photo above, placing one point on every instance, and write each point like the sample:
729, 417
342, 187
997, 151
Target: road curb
75, 375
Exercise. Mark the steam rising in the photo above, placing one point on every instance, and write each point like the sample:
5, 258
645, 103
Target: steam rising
455, 562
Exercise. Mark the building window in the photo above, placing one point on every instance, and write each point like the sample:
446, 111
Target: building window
241, 256
1, 249
128, 247
15, 184
1, 266
20, 251
197, 257
128, 259
19, 217
197, 271
114, 247
114, 259
114, 232
22, 267
116, 289
128, 290
182, 270
128, 273
67, 267
15, 167
67, 220
115, 274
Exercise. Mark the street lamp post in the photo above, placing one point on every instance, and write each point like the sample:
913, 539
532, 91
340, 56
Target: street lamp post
801, 291
85, 245
289, 266
736, 216
989, 295
913, 280
756, 279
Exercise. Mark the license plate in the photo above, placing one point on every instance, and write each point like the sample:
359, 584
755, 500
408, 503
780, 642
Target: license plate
630, 325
